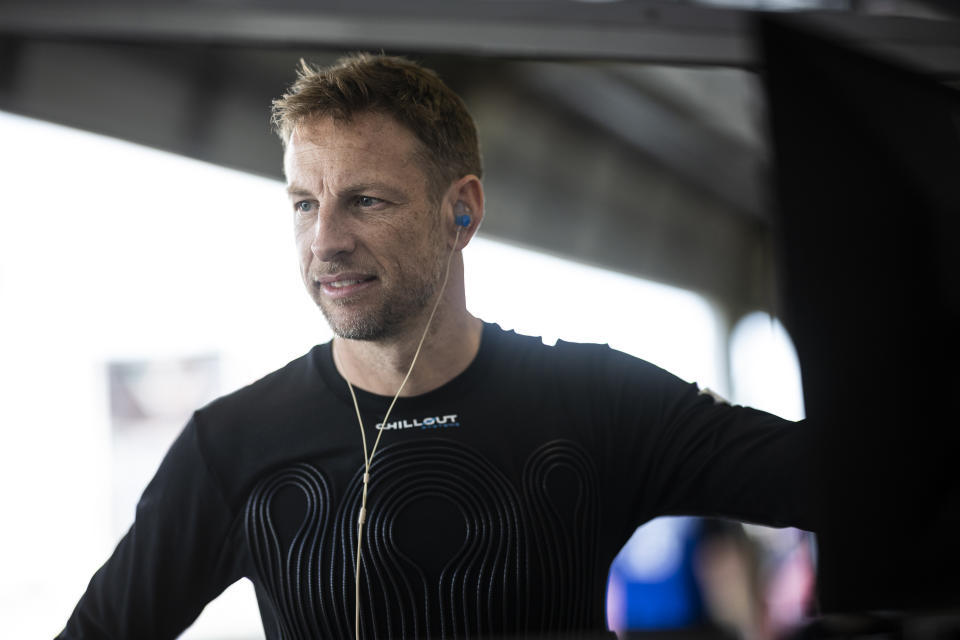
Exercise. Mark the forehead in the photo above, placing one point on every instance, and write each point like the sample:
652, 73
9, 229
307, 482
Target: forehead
367, 143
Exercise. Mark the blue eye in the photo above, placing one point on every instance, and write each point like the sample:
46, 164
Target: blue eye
304, 206
367, 201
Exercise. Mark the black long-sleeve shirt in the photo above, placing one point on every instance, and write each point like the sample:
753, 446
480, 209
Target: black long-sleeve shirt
496, 502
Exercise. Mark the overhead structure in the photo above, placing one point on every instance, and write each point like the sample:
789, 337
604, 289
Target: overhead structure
623, 134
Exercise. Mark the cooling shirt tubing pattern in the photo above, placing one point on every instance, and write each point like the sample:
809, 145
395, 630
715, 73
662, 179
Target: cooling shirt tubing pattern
497, 502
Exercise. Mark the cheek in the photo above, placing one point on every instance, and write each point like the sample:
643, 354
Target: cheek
424, 234
303, 231
304, 253
301, 239
412, 247
420, 254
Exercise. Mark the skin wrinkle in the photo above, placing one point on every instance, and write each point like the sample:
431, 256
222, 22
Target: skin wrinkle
369, 213
331, 155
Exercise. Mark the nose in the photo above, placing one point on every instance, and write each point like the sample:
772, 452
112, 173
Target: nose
332, 235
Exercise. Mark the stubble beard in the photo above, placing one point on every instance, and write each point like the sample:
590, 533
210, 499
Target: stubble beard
389, 315
398, 305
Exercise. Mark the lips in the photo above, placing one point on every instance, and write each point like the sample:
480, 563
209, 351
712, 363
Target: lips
342, 285
339, 284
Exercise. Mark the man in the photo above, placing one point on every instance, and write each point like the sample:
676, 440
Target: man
510, 473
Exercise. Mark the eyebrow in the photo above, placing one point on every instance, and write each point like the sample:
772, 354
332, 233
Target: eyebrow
296, 190
394, 193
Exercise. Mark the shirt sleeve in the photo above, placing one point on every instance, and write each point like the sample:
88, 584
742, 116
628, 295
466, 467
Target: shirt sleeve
707, 458
174, 559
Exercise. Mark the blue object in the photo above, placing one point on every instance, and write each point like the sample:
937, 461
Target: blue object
656, 575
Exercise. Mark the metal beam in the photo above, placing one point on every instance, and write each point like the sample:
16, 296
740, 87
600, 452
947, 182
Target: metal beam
633, 30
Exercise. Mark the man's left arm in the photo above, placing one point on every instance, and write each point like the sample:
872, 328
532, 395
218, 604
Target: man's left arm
738, 462
701, 456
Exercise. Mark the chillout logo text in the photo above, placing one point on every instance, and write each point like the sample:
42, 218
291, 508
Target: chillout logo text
431, 422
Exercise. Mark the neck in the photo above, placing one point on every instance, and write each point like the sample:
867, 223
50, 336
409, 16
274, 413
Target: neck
380, 366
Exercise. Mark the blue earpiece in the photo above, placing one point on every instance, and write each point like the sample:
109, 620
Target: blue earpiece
460, 215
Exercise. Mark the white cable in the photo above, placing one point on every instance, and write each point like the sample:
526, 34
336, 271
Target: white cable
367, 459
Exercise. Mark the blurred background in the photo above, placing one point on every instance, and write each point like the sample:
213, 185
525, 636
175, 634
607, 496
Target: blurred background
147, 264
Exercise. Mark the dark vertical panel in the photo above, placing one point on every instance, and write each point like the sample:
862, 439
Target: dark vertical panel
867, 157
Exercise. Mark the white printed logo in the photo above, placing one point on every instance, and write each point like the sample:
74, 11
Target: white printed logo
432, 422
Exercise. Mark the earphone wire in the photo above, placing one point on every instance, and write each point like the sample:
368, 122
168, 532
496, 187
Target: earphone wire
368, 458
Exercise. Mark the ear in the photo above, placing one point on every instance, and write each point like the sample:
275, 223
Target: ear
465, 196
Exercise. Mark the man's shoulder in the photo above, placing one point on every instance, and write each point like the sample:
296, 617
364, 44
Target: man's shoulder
260, 425
576, 365
564, 353
512, 341
277, 401
271, 392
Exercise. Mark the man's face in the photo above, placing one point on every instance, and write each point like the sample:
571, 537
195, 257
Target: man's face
368, 235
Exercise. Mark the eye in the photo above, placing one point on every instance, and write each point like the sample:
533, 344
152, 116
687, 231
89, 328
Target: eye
303, 207
365, 202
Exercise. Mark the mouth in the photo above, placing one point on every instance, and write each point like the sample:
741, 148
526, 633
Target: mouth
339, 284
343, 285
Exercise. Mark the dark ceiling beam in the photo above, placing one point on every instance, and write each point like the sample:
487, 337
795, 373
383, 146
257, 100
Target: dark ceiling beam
633, 30
716, 164
198, 78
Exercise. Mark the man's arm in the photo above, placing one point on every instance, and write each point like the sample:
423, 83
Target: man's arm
693, 455
737, 462
174, 559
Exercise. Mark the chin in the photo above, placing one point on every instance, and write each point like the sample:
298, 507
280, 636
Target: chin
355, 332
358, 327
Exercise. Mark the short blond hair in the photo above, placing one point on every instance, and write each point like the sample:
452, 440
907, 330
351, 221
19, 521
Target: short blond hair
413, 95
